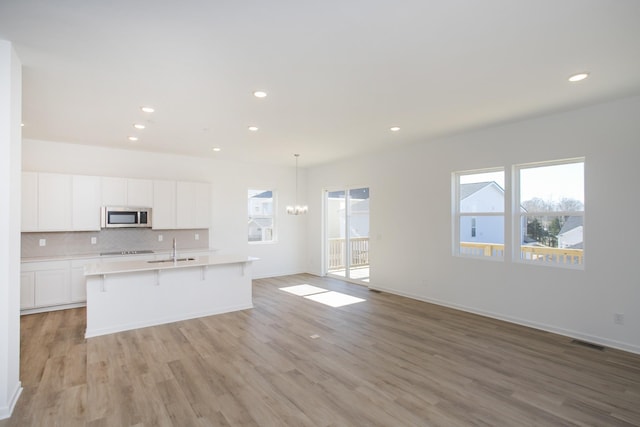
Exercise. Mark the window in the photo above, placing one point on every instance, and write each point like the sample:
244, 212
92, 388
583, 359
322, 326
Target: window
550, 215
261, 225
479, 213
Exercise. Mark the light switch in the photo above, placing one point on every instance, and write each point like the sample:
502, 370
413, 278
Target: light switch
197, 236
43, 242
94, 240
159, 237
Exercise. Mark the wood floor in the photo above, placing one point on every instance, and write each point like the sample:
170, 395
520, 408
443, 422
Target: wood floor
388, 361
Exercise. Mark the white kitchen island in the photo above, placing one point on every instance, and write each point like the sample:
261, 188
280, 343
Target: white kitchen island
134, 294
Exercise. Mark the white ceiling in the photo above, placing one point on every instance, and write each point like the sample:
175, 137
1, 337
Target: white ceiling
338, 73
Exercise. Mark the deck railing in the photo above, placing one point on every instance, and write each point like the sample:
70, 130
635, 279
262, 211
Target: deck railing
359, 252
531, 253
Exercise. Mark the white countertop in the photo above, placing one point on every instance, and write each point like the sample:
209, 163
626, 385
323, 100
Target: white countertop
97, 255
102, 268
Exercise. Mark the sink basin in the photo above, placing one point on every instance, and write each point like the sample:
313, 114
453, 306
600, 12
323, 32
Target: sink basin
171, 260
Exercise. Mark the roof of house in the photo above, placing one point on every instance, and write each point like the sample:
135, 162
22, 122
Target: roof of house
467, 190
571, 223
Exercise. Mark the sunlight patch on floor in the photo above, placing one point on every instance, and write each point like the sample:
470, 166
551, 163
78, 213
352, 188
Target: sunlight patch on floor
323, 296
334, 299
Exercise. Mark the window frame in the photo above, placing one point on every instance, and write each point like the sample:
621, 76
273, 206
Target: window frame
273, 216
519, 216
458, 215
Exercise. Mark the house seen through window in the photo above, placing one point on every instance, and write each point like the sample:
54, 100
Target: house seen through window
552, 216
261, 223
480, 213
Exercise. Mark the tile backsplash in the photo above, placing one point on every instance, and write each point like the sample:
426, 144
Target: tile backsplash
129, 239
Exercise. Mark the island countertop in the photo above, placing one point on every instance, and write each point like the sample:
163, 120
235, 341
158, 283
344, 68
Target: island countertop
184, 261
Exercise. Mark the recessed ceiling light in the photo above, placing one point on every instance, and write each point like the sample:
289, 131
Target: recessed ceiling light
133, 138
394, 128
138, 126
253, 128
260, 94
22, 124
148, 109
578, 77
216, 149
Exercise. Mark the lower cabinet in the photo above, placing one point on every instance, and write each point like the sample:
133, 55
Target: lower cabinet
45, 284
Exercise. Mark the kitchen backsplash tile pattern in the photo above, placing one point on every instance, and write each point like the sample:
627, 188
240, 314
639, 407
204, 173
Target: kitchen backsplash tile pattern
124, 239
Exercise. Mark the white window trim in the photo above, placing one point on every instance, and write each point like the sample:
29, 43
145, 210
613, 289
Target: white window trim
517, 215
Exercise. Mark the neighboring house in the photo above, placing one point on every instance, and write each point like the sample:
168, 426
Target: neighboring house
261, 217
482, 197
570, 235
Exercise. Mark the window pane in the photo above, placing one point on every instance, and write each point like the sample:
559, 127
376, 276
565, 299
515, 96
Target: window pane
552, 214
481, 214
553, 188
260, 208
482, 192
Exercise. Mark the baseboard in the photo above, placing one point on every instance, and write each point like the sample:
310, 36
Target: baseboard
523, 322
6, 411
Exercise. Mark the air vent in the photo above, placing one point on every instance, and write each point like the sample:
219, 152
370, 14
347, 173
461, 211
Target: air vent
588, 344
375, 290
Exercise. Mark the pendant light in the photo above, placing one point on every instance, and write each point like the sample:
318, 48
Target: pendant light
297, 209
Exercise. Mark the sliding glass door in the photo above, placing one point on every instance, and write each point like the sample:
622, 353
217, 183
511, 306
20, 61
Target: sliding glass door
347, 234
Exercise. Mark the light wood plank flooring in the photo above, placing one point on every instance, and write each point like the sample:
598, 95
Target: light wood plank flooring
388, 361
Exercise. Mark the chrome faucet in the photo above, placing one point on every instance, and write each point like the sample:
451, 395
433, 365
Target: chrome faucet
174, 253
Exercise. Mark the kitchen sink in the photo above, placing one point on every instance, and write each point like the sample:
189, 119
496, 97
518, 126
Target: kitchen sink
171, 260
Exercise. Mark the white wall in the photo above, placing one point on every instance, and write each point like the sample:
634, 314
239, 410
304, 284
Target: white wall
229, 180
10, 151
418, 262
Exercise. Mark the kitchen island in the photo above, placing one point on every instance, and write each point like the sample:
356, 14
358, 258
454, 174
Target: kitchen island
134, 294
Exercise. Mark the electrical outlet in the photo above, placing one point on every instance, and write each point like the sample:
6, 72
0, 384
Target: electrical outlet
159, 237
43, 242
94, 240
618, 319
196, 236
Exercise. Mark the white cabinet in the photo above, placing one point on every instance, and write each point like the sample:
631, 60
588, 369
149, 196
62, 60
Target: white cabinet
127, 192
192, 204
54, 202
140, 193
114, 191
44, 284
52, 287
27, 290
86, 203
29, 195
164, 205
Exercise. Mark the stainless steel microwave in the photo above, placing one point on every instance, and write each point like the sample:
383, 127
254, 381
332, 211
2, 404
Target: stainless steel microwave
125, 217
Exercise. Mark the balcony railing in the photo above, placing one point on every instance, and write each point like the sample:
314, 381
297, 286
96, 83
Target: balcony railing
359, 252
532, 253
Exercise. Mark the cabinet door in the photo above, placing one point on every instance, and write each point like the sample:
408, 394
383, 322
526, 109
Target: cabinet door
185, 205
114, 191
78, 285
27, 290
52, 287
54, 202
164, 205
203, 205
192, 205
140, 193
86, 202
29, 201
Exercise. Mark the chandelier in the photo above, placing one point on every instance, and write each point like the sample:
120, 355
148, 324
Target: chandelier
297, 209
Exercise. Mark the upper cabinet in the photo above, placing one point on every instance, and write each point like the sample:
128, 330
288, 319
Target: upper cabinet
127, 192
140, 193
181, 205
29, 194
54, 202
192, 204
59, 202
164, 205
